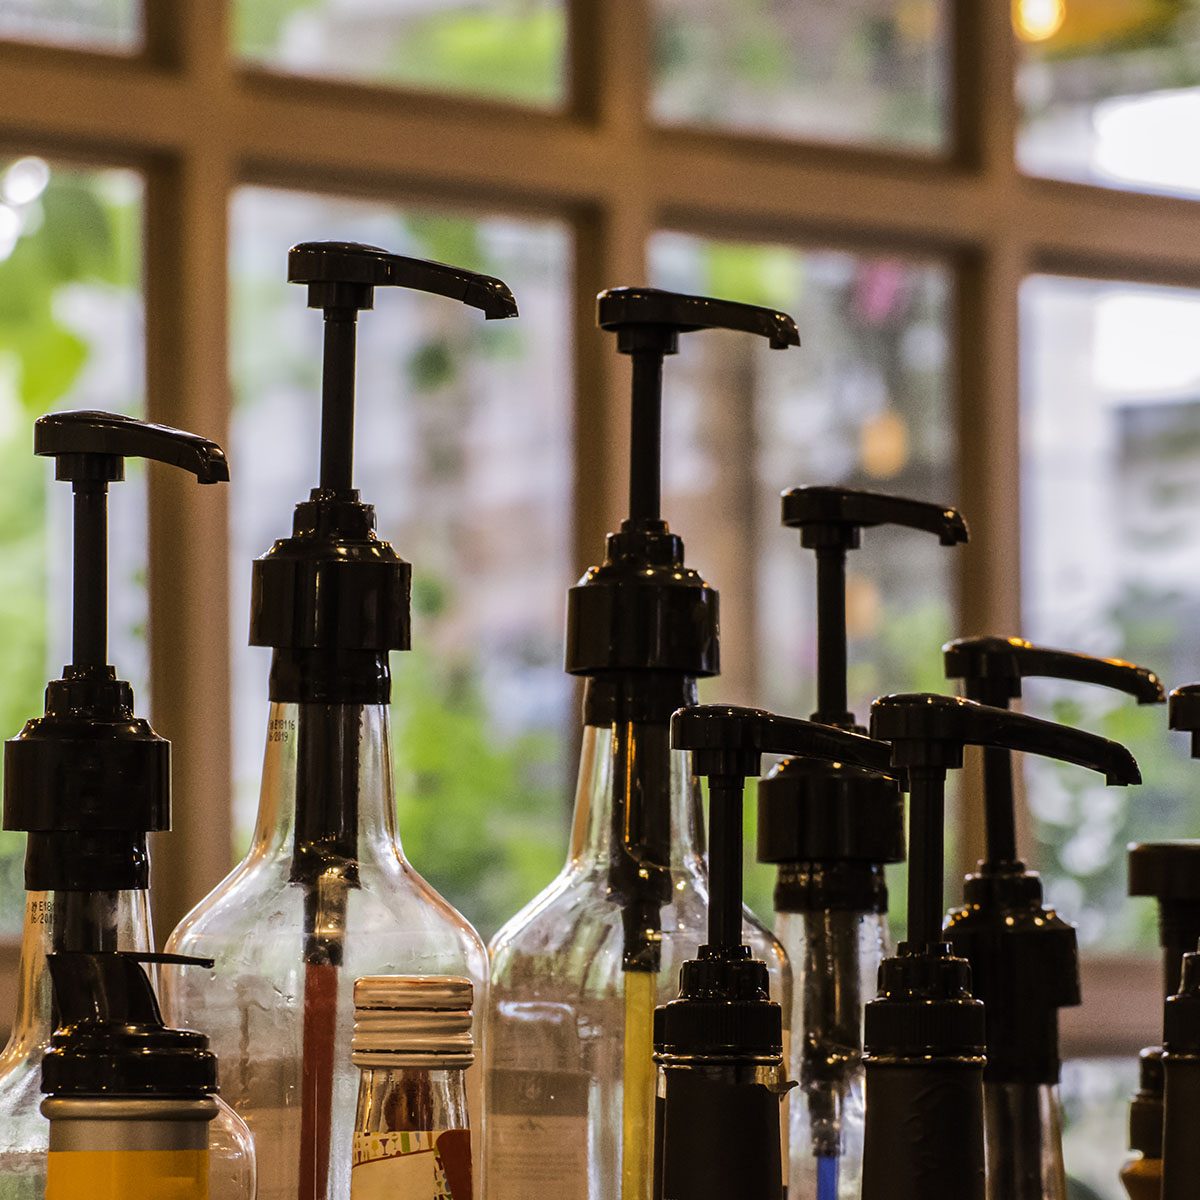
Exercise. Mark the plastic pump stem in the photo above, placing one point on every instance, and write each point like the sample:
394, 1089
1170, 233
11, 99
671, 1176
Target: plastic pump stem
831, 634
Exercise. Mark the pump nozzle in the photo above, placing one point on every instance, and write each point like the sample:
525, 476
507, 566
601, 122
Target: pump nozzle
831, 521
88, 780
727, 745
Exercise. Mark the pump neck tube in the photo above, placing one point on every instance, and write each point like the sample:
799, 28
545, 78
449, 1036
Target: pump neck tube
1000, 821
831, 636
645, 488
90, 586
337, 400
725, 861
927, 801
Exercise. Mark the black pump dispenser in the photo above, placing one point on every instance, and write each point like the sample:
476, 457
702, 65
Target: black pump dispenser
333, 598
1024, 958
642, 627
111, 1039
849, 821
89, 779
924, 1034
717, 1127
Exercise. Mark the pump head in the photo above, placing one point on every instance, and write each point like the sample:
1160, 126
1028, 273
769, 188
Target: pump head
1183, 713
333, 598
88, 780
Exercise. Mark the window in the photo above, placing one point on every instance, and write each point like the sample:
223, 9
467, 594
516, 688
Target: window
556, 138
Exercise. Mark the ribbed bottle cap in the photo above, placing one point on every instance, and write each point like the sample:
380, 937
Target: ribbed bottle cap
413, 1021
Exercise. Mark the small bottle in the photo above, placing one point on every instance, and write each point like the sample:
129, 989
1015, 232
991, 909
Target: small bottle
132, 1105
412, 1044
1141, 1175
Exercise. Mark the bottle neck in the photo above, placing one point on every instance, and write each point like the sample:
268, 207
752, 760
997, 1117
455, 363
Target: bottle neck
327, 796
69, 921
410, 1100
669, 832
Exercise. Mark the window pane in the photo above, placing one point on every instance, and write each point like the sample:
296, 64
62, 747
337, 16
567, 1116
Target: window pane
1110, 93
865, 402
1110, 460
70, 337
93, 24
509, 49
860, 71
464, 447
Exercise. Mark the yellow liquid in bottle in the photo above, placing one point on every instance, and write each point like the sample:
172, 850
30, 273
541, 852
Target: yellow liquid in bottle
637, 1134
127, 1175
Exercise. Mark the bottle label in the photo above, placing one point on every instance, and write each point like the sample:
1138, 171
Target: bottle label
412, 1165
121, 1174
538, 1135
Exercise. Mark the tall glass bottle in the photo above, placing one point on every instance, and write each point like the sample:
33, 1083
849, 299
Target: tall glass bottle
325, 892
86, 781
576, 975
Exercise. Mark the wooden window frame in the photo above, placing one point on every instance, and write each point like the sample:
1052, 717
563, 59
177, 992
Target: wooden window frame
196, 124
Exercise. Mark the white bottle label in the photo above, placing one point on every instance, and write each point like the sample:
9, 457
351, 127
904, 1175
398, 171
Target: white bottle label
538, 1135
412, 1166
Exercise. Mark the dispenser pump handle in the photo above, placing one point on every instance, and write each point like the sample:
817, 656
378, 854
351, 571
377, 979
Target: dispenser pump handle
929, 732
992, 668
92, 447
726, 740
648, 323
651, 319
89, 449
836, 517
831, 521
344, 275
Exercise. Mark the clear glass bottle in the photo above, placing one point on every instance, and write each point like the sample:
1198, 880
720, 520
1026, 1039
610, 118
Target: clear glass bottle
835, 955
279, 1003
412, 1044
1024, 1142
561, 1005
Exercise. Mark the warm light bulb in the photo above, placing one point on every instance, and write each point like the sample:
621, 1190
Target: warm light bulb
1038, 20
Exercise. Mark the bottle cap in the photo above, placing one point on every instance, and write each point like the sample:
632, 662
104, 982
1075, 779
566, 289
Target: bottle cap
412, 1021
111, 1040
1146, 1107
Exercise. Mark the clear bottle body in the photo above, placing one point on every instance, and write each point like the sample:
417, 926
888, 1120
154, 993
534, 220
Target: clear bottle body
412, 1134
563, 1010
1024, 1142
835, 956
53, 921
320, 899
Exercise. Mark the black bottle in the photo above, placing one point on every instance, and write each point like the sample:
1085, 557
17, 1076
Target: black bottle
925, 1036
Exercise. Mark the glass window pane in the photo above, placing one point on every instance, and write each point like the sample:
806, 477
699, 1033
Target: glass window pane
858, 71
1110, 93
464, 447
1110, 463
70, 337
508, 49
90, 24
864, 402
